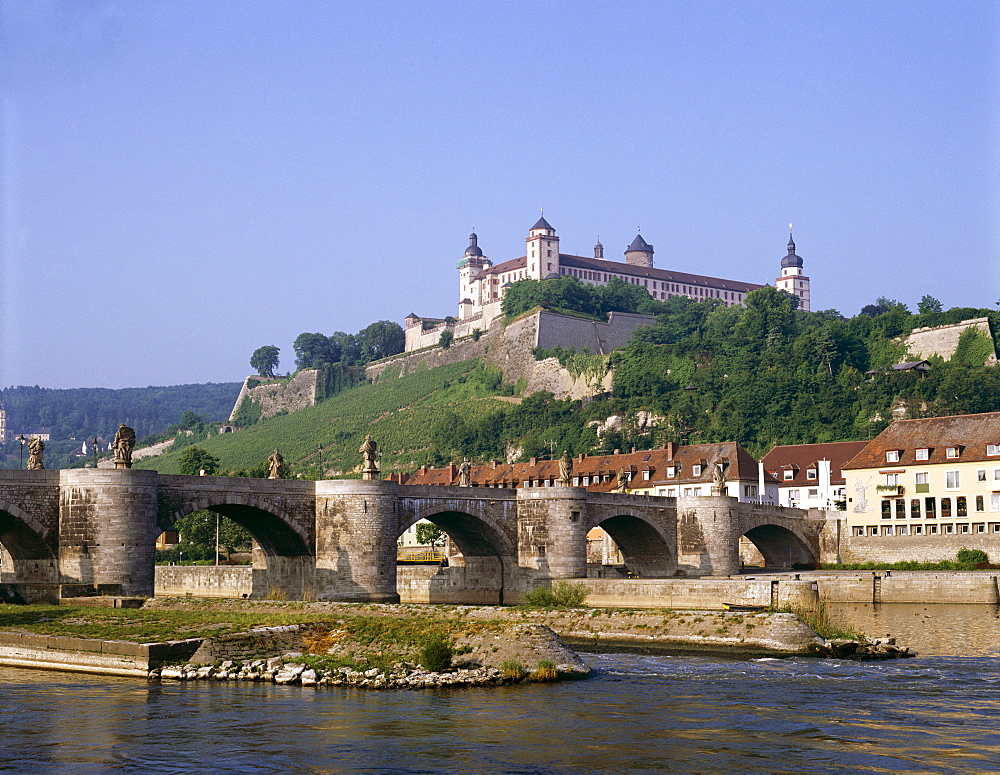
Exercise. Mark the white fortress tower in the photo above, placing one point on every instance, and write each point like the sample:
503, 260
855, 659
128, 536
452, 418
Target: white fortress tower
541, 251
792, 279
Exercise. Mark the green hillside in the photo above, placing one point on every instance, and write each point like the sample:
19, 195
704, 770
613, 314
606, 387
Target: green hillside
400, 414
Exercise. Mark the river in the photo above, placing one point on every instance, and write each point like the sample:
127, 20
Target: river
639, 713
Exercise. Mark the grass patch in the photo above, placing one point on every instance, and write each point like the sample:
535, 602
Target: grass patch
563, 594
820, 622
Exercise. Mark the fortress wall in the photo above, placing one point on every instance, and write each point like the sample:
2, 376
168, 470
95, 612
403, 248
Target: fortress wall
943, 340
297, 393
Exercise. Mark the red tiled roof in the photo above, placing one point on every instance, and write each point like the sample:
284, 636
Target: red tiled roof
801, 457
603, 265
970, 432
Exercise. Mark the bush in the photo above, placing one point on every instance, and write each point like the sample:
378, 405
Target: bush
562, 595
436, 655
511, 668
972, 556
446, 338
545, 672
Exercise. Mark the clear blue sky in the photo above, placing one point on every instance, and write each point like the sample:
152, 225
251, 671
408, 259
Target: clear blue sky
183, 182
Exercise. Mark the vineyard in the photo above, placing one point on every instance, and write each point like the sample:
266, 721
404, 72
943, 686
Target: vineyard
398, 413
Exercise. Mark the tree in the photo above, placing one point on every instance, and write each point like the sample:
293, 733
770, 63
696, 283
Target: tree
429, 534
194, 460
265, 360
928, 304
312, 351
446, 338
380, 340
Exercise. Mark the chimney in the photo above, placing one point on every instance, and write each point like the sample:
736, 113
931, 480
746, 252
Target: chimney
534, 461
671, 449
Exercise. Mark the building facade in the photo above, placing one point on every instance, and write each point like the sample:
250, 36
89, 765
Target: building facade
935, 476
810, 476
482, 284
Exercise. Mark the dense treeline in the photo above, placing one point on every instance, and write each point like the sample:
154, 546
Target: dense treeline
87, 412
762, 374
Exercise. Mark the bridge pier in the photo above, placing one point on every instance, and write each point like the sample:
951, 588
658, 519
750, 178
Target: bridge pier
107, 529
708, 536
356, 541
552, 531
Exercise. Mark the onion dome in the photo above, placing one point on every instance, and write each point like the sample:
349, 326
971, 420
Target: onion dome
473, 249
791, 259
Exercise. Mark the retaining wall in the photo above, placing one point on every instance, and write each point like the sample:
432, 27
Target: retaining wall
204, 580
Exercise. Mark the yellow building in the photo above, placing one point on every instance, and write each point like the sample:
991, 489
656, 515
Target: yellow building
935, 476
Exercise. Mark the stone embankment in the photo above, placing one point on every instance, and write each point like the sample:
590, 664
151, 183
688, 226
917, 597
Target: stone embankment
866, 650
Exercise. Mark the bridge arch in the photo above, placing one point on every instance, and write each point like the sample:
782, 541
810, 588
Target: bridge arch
780, 546
475, 533
272, 527
22, 535
643, 544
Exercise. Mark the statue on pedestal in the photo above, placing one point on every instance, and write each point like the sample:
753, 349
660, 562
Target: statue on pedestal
276, 465
35, 449
465, 473
369, 449
621, 481
565, 469
123, 445
719, 478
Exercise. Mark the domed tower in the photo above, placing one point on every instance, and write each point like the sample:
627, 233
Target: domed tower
598, 249
470, 270
792, 280
541, 251
639, 253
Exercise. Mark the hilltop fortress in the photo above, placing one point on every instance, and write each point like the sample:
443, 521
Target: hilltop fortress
483, 284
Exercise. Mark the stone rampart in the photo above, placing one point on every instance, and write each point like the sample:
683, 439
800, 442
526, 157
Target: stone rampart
943, 340
966, 587
934, 548
276, 396
90, 656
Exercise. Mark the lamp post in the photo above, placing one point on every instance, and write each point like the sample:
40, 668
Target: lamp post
94, 440
20, 458
319, 449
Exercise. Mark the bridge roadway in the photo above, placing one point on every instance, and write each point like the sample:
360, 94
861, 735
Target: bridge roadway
76, 530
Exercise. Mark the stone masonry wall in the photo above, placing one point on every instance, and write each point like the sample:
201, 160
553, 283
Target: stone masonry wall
943, 340
297, 393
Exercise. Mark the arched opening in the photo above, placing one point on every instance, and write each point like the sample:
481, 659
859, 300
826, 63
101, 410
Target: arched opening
779, 547
28, 566
632, 546
479, 563
281, 565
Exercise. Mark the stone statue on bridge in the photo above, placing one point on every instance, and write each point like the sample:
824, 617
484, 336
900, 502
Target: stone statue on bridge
465, 473
123, 444
35, 449
275, 465
565, 469
369, 449
621, 481
719, 477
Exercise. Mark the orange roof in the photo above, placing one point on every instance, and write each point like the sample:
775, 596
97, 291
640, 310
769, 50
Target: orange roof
801, 457
969, 432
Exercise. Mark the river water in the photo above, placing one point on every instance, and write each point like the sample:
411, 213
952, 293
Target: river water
639, 713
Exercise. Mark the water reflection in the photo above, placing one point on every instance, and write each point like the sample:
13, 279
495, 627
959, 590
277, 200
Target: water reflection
928, 628
639, 714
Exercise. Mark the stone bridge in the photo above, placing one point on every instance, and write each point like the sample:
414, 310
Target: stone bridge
78, 531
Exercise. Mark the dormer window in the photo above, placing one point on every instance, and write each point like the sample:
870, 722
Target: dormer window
788, 474
923, 453
892, 455
993, 449
696, 469
810, 473
671, 472
952, 452
646, 475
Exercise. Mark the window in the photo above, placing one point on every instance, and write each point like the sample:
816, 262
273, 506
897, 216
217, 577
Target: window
789, 474
922, 482
918, 530
964, 528
980, 503
923, 453
586, 481
696, 469
915, 508
901, 530
952, 452
951, 480
887, 530
749, 490
810, 473
995, 501
874, 531
981, 475
996, 474
892, 456
900, 509
932, 530
949, 528
980, 528
886, 509
960, 506
646, 475
576, 481
993, 449
859, 531
945, 508
892, 480
793, 495
813, 493
930, 508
